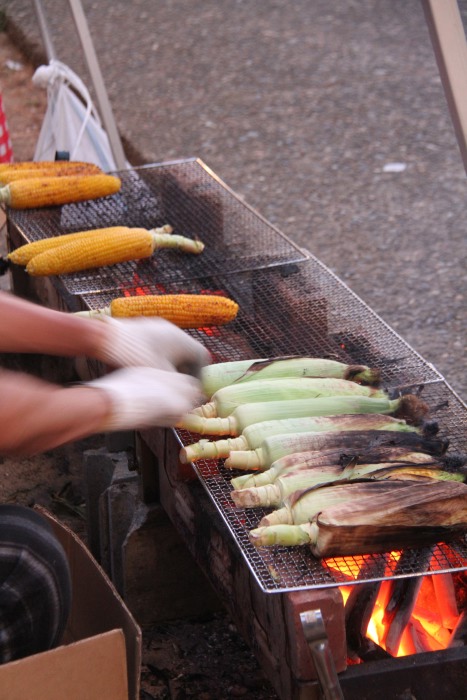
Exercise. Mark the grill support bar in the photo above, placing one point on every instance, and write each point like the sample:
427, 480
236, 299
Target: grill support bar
450, 48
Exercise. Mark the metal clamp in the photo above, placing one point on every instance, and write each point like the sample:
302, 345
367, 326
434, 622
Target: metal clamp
317, 639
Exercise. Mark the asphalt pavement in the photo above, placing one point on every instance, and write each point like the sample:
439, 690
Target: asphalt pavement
327, 117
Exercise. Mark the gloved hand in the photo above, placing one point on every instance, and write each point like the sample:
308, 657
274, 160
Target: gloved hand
144, 397
151, 342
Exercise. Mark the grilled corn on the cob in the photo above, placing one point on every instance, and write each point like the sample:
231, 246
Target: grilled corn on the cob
226, 400
293, 434
106, 247
273, 495
218, 375
184, 310
64, 168
51, 191
361, 446
52, 165
408, 406
412, 514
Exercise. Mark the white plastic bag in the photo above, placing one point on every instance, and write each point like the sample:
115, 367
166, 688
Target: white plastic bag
71, 122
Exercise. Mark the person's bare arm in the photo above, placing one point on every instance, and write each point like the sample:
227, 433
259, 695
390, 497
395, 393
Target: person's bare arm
31, 328
36, 416
151, 342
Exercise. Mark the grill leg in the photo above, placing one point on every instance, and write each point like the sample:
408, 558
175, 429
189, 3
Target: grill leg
317, 640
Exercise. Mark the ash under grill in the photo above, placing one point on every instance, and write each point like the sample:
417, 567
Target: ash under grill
290, 304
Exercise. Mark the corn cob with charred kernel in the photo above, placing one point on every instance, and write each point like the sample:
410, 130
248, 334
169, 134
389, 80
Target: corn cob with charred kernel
53, 191
66, 168
184, 310
107, 249
383, 519
226, 400
53, 165
296, 434
408, 406
216, 376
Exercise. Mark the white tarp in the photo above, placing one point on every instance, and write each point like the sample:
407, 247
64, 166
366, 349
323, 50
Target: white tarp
71, 122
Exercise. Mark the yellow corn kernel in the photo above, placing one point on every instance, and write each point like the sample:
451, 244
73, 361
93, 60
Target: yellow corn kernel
24, 253
184, 310
53, 191
7, 176
89, 252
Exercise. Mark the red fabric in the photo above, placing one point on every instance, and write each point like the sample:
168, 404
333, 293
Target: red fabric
6, 151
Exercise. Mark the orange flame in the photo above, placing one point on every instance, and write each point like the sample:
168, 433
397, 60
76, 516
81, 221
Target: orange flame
429, 628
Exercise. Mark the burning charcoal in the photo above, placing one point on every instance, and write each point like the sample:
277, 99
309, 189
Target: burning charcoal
370, 651
445, 592
459, 634
403, 596
360, 604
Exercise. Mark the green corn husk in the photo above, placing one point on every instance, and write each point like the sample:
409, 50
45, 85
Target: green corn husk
226, 400
216, 376
320, 458
406, 407
411, 515
302, 506
253, 435
273, 495
277, 446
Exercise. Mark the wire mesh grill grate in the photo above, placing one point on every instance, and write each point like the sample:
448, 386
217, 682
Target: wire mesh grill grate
184, 194
290, 304
284, 569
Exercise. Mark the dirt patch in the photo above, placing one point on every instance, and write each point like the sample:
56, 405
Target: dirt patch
205, 658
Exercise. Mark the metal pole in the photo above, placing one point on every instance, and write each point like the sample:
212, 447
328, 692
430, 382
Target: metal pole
105, 108
46, 38
450, 47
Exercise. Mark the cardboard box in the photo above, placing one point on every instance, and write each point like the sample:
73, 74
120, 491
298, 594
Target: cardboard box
100, 657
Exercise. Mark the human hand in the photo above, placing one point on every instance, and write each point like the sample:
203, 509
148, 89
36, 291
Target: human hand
151, 342
144, 397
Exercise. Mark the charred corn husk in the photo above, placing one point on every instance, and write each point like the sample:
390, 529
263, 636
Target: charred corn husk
356, 452
407, 407
65, 168
52, 191
226, 400
106, 248
216, 376
184, 310
411, 516
290, 429
276, 446
273, 495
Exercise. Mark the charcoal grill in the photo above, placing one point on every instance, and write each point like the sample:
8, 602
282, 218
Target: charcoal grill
290, 303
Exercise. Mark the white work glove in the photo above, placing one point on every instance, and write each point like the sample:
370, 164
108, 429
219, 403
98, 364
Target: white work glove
152, 342
144, 397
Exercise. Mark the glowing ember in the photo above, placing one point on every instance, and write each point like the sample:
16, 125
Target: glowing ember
433, 617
